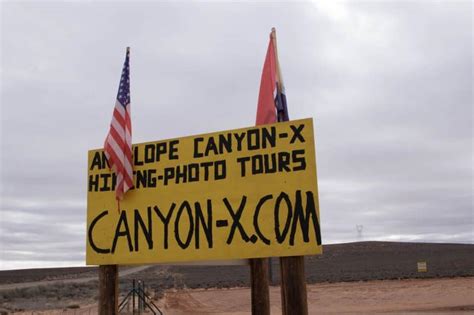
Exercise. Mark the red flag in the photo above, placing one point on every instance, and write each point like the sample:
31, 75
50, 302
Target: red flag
118, 144
266, 110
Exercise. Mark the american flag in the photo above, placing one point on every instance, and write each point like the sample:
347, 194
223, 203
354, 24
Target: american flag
118, 144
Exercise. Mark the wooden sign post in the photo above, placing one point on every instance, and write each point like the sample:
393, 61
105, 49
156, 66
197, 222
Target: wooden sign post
293, 286
108, 290
293, 281
259, 286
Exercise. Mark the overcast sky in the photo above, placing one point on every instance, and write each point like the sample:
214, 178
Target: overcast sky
389, 85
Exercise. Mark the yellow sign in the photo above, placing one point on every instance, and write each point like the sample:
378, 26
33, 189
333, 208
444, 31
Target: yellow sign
422, 267
243, 193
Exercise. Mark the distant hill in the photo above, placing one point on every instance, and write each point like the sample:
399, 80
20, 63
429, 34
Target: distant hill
359, 261
339, 262
389, 260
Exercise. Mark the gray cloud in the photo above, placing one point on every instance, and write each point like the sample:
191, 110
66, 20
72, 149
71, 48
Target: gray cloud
389, 85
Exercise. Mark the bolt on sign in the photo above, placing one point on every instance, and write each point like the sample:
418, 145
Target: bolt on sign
243, 193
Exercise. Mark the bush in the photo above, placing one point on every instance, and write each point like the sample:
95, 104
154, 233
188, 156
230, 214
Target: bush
74, 306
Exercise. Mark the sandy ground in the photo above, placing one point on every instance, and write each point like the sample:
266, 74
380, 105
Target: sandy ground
417, 296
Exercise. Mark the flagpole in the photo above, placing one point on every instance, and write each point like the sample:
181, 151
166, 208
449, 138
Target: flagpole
108, 274
275, 47
259, 283
282, 111
292, 275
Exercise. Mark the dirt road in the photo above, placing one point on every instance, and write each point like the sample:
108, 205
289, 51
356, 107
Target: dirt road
23, 285
439, 296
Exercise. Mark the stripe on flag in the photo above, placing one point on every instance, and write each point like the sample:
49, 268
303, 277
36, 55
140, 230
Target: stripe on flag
118, 144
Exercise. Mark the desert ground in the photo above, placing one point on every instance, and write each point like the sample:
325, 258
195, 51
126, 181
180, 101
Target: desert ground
439, 296
360, 278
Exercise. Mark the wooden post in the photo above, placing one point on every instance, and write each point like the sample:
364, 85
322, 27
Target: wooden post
270, 271
293, 286
292, 277
259, 284
108, 290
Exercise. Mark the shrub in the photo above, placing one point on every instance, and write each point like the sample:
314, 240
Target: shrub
74, 306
